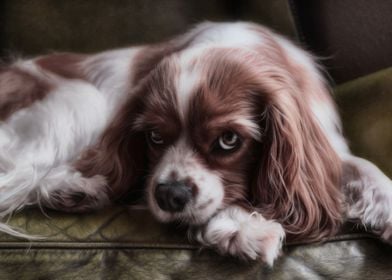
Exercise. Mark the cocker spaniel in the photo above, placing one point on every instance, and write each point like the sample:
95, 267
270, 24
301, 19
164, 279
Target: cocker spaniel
229, 128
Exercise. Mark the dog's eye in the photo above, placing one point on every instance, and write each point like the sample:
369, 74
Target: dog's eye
229, 141
155, 137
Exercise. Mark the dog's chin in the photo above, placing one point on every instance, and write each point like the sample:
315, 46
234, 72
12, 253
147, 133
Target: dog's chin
190, 215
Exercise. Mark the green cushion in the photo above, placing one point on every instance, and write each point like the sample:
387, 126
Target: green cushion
366, 109
127, 243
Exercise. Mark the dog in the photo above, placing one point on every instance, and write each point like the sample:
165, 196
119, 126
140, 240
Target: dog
229, 128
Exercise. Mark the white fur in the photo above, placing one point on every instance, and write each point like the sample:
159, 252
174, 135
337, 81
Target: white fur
186, 83
111, 73
369, 197
225, 35
39, 142
237, 232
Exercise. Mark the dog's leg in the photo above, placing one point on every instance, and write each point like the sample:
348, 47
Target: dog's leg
68, 190
60, 188
368, 195
40, 140
238, 232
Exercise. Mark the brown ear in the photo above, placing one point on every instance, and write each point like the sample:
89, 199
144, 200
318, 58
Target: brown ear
299, 172
120, 154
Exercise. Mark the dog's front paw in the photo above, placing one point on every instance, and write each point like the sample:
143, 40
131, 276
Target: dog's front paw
78, 194
77, 201
246, 235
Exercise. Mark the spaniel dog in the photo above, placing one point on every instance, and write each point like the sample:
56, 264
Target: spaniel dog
229, 128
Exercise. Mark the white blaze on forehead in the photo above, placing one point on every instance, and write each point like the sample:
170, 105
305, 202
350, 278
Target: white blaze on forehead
187, 81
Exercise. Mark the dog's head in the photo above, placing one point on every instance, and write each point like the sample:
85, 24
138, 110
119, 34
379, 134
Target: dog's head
228, 120
201, 119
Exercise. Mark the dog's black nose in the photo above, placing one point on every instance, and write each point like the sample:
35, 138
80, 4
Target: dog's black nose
173, 196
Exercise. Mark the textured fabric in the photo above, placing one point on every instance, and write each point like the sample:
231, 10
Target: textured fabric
366, 109
119, 243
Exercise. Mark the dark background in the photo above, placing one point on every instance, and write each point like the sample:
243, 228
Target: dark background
353, 37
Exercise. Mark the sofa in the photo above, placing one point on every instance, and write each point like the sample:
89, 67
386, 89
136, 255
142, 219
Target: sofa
125, 241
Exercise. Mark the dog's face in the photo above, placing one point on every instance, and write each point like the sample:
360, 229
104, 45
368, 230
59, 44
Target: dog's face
227, 121
201, 118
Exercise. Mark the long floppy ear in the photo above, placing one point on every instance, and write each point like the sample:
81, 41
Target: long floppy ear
299, 172
120, 154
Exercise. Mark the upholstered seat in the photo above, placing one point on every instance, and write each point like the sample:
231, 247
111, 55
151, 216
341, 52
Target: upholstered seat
127, 243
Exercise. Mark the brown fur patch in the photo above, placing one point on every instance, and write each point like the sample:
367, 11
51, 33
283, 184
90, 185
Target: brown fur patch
66, 65
18, 90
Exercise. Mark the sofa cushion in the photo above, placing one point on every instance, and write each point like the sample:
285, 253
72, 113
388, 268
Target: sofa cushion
365, 105
127, 243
